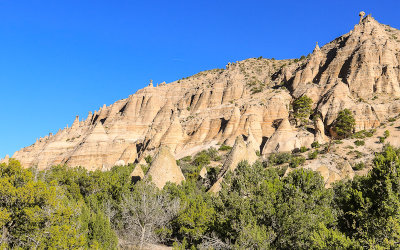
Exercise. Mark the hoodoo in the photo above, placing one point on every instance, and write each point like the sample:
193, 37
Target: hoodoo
163, 168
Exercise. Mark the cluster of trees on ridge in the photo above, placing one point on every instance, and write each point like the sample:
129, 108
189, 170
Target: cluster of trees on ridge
257, 208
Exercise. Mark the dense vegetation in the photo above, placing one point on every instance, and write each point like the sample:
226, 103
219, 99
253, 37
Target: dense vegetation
257, 208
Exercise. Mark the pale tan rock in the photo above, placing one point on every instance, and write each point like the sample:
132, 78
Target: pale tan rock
319, 135
324, 171
129, 155
252, 142
286, 138
333, 177
137, 174
216, 187
360, 72
347, 171
211, 107
240, 152
164, 169
203, 172
174, 136
119, 163
5, 160
329, 176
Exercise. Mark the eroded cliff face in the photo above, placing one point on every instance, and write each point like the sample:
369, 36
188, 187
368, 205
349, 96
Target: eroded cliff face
359, 70
208, 108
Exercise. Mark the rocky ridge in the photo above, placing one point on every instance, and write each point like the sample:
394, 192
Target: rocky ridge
252, 99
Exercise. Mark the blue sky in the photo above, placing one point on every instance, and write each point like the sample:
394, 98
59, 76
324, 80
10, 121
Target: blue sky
59, 59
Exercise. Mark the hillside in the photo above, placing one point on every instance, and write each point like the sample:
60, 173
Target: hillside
359, 71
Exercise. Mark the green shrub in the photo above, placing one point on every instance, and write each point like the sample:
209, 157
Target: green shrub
297, 161
386, 134
213, 153
359, 135
393, 119
370, 133
359, 143
359, 166
224, 148
313, 155
382, 139
145, 168
148, 159
256, 90
358, 154
324, 150
303, 149
363, 133
279, 158
187, 158
315, 144
212, 174
202, 159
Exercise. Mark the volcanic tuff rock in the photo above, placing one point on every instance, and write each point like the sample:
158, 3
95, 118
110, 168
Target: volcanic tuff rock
359, 70
240, 152
137, 174
5, 160
164, 169
286, 138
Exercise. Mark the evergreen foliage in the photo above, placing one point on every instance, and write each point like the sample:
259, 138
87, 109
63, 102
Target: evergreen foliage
257, 208
302, 109
344, 124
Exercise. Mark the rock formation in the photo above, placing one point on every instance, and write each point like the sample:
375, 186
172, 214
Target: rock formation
361, 14
286, 138
137, 174
5, 160
240, 152
203, 172
359, 70
164, 169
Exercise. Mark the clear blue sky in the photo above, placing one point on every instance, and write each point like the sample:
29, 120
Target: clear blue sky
60, 58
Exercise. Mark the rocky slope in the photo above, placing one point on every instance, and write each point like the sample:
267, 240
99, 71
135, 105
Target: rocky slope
359, 70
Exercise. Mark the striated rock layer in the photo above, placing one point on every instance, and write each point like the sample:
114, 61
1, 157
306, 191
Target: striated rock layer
359, 70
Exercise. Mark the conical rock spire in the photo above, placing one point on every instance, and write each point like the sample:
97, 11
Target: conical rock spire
164, 169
